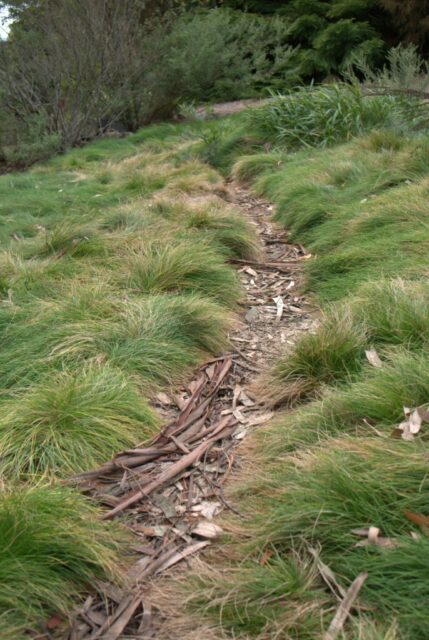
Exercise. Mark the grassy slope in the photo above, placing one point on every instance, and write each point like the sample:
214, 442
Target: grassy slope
331, 465
113, 282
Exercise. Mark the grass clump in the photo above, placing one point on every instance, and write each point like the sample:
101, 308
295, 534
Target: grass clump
281, 597
230, 232
360, 213
66, 239
315, 501
386, 313
182, 267
162, 336
334, 352
372, 405
247, 168
54, 547
156, 337
71, 422
322, 116
353, 484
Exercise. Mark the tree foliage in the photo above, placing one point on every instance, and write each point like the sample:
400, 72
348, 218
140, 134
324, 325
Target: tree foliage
330, 32
411, 19
70, 69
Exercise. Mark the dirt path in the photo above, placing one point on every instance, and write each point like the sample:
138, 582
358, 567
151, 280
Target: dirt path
223, 109
170, 492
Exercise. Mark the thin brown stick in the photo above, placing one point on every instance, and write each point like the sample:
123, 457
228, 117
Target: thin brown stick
171, 472
343, 610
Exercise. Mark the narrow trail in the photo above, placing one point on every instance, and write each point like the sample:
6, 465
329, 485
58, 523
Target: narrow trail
169, 492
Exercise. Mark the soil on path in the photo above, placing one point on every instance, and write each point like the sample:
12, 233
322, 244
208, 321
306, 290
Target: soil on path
223, 109
170, 492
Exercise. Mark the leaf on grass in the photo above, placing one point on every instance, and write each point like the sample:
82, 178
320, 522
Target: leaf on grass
166, 506
250, 272
235, 396
181, 555
239, 416
373, 358
53, 622
412, 425
153, 532
328, 575
373, 538
252, 315
245, 400
337, 624
207, 509
417, 518
261, 418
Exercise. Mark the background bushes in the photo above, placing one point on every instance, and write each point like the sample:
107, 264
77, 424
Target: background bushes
72, 70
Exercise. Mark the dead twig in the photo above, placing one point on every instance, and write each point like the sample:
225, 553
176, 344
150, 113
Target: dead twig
343, 610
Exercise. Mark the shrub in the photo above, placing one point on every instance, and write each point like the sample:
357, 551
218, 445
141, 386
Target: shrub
27, 153
133, 68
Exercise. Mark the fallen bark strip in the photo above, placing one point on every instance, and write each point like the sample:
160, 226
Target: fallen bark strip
114, 626
188, 424
284, 267
187, 461
343, 610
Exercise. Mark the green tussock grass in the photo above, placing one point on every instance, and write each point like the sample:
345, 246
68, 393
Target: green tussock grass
208, 218
390, 312
66, 239
106, 296
361, 212
334, 352
352, 484
314, 501
180, 267
271, 586
247, 168
71, 422
323, 116
54, 547
155, 336
162, 337
371, 405
349, 179
230, 232
281, 598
